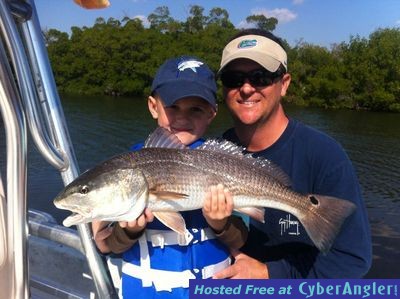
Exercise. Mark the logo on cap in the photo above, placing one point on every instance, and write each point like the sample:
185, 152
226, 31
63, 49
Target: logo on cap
247, 43
189, 64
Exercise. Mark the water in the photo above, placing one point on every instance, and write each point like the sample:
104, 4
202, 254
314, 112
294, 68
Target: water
102, 127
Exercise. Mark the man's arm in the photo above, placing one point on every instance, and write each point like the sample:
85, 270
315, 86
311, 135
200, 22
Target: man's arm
349, 257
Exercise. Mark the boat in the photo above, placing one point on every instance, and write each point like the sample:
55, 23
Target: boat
38, 257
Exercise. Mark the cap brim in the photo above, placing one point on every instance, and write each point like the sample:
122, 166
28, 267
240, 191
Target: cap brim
269, 63
175, 90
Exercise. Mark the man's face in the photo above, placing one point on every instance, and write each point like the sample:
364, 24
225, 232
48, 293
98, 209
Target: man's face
252, 105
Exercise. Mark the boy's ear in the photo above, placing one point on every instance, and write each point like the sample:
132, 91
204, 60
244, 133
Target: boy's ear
213, 114
152, 104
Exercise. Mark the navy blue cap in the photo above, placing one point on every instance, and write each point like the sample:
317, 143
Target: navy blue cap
185, 76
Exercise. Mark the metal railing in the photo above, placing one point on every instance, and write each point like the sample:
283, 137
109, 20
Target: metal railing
32, 98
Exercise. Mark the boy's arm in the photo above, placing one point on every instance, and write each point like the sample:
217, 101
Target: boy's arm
234, 234
101, 231
112, 238
122, 235
121, 240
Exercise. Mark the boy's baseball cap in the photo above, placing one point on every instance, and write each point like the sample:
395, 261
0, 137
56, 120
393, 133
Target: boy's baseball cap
266, 52
185, 76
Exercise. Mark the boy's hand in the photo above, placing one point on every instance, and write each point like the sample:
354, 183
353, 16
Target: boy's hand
100, 234
133, 227
218, 206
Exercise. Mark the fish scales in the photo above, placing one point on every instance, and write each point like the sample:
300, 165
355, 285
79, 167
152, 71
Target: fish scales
193, 172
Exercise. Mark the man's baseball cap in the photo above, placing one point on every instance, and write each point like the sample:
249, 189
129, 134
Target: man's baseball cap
182, 77
266, 52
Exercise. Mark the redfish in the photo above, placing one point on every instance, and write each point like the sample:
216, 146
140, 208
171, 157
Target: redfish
167, 178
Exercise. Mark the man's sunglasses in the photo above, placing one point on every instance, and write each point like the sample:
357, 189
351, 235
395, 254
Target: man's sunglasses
257, 78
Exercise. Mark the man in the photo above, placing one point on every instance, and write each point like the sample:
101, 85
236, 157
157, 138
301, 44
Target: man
254, 77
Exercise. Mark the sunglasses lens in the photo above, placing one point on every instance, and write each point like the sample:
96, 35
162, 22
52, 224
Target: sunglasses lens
260, 78
232, 79
257, 78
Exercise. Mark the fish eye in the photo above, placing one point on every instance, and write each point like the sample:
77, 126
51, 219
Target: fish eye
314, 200
84, 190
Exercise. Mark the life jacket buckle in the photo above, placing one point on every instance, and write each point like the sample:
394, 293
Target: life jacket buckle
185, 239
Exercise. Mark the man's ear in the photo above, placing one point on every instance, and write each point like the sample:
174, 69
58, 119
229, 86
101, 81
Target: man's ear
152, 104
285, 83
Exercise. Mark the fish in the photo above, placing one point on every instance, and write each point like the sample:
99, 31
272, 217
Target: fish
93, 4
167, 177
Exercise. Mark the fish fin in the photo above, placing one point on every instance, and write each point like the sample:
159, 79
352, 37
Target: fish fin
266, 166
161, 137
167, 195
324, 222
223, 146
173, 220
257, 213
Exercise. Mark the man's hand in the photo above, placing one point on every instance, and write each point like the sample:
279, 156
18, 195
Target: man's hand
244, 267
218, 206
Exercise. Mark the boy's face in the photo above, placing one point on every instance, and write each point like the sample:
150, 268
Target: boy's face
188, 118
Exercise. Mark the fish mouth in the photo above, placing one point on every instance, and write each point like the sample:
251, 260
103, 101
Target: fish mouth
73, 208
58, 204
73, 219
77, 214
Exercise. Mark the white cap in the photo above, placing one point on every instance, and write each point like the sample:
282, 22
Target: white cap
260, 49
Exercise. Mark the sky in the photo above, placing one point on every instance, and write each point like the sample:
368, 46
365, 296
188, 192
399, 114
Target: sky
319, 22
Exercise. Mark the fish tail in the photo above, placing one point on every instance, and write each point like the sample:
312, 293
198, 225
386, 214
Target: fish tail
325, 219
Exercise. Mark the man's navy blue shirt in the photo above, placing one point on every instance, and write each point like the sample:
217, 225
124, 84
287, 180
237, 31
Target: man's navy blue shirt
316, 164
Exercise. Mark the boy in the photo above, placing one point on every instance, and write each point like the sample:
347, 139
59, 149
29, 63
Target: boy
157, 262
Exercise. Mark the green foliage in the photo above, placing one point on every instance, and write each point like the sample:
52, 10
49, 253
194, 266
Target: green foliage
196, 21
116, 57
361, 74
219, 17
318, 77
262, 22
160, 18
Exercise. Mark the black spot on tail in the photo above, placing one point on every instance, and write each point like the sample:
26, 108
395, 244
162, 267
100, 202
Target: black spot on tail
324, 221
